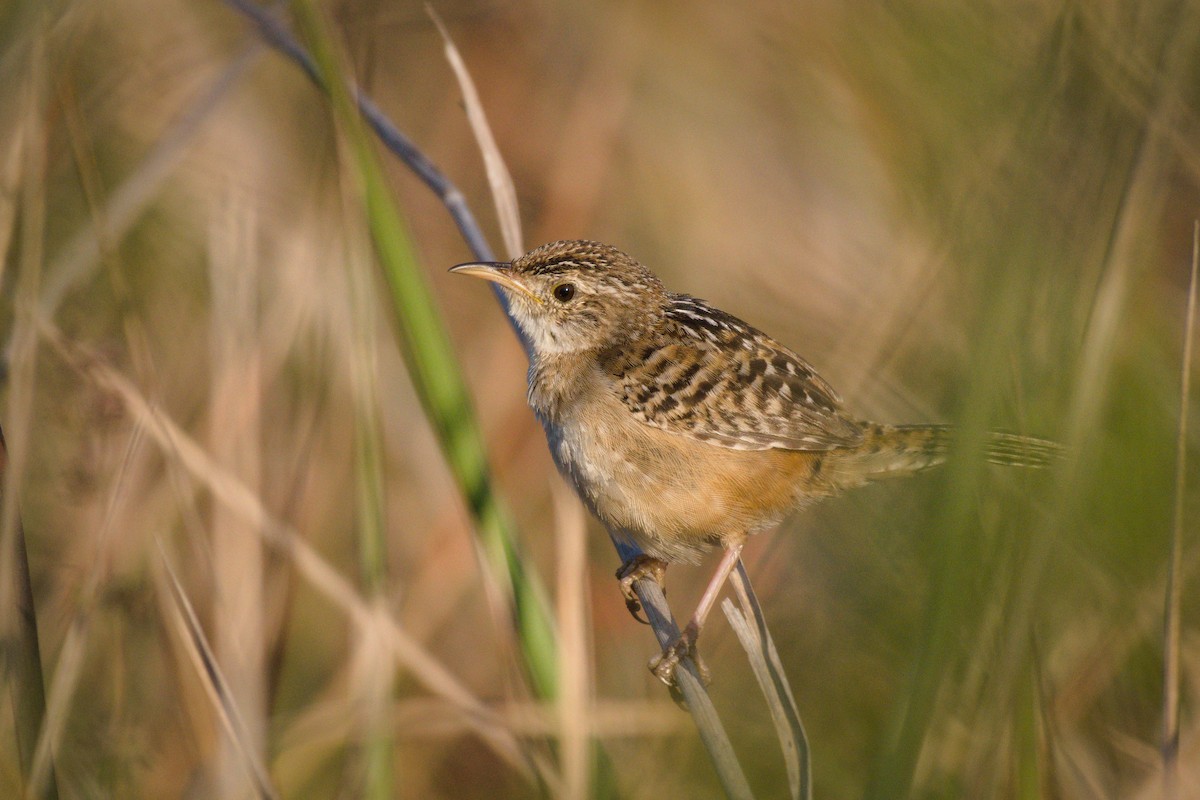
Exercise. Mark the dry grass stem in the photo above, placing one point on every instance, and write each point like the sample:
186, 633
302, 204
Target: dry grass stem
499, 178
574, 643
1172, 613
220, 693
70, 665
751, 628
235, 436
22, 661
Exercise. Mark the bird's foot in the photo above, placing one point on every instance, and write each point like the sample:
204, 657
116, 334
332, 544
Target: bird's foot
634, 570
664, 665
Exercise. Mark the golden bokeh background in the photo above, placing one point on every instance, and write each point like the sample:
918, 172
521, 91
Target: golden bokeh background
978, 213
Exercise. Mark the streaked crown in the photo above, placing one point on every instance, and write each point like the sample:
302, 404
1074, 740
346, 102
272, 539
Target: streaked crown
571, 296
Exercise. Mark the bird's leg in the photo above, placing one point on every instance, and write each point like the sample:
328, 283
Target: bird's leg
664, 665
639, 567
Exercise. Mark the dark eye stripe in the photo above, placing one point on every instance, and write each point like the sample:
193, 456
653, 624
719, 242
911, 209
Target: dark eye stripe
555, 267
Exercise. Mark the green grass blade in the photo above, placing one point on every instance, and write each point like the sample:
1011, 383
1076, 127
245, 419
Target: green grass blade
426, 347
1174, 598
370, 526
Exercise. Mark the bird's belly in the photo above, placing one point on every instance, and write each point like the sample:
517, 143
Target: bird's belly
674, 496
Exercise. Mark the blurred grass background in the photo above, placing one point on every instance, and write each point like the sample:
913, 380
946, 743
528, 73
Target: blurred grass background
977, 213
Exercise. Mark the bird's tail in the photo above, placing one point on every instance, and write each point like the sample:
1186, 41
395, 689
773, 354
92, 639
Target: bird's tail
896, 450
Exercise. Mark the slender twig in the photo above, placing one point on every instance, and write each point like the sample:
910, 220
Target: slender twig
215, 683
768, 669
689, 683
691, 688
20, 651
574, 651
25, 660
1170, 724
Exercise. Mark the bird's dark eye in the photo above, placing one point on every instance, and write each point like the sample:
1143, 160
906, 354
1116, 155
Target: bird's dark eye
564, 292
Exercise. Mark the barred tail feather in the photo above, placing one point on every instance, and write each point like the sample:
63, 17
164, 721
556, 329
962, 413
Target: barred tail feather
894, 451
1015, 450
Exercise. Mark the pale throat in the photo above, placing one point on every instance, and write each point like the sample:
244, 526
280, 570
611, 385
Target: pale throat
545, 336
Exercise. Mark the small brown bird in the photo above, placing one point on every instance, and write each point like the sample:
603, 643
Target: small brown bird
683, 428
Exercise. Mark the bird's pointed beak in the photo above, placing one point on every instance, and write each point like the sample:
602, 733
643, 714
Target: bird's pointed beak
497, 272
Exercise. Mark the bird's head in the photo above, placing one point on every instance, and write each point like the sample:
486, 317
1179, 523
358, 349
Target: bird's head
574, 296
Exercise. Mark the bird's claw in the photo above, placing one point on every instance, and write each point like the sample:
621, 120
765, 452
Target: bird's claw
665, 663
635, 609
634, 570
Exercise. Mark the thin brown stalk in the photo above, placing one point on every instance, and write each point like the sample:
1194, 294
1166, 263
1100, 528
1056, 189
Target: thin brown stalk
691, 690
18, 617
234, 435
216, 685
28, 683
574, 658
751, 628
71, 661
499, 178
1171, 615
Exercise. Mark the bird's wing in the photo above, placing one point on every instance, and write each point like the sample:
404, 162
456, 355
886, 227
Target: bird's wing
716, 379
